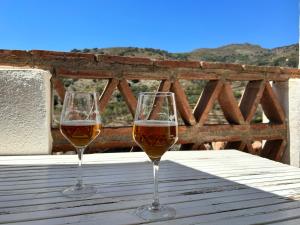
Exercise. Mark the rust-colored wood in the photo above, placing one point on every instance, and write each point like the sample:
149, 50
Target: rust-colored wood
157, 74
240, 145
112, 137
193, 146
130, 72
94, 147
124, 60
198, 146
128, 96
107, 93
268, 147
239, 134
78, 65
212, 133
251, 98
65, 72
206, 74
59, 87
274, 149
271, 106
164, 86
206, 100
280, 151
229, 105
183, 104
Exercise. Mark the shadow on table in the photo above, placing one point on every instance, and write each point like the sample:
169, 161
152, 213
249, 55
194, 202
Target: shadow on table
125, 186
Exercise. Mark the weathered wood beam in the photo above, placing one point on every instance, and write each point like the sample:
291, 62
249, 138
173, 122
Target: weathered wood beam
82, 65
251, 98
107, 93
229, 105
206, 100
183, 104
164, 86
122, 136
271, 106
128, 96
59, 87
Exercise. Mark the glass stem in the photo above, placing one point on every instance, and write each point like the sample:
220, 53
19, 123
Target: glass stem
79, 172
155, 203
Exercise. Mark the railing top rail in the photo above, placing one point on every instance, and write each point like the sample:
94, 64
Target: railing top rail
239, 133
86, 65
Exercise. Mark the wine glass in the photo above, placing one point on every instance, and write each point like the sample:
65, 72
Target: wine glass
155, 130
80, 124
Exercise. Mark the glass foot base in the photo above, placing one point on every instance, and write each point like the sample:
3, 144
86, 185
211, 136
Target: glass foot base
163, 213
83, 191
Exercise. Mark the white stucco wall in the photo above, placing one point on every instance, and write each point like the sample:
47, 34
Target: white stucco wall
289, 96
25, 111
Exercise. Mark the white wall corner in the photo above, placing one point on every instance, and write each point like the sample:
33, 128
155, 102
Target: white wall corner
289, 97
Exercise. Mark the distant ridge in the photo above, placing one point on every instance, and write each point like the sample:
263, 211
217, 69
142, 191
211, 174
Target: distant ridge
246, 53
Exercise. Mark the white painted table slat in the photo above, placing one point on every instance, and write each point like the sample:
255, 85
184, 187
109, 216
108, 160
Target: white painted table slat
205, 187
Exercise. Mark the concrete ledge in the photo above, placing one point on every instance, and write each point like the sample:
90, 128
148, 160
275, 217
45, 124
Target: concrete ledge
25, 111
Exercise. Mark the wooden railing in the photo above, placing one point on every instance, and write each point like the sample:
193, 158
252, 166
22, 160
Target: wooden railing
239, 133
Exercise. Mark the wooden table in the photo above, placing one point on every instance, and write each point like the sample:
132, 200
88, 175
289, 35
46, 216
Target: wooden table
205, 187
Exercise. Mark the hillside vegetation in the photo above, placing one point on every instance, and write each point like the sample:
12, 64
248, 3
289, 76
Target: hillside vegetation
286, 56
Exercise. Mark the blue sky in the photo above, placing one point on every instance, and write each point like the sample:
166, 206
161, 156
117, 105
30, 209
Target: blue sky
173, 25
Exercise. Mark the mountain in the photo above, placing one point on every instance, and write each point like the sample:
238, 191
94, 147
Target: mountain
286, 56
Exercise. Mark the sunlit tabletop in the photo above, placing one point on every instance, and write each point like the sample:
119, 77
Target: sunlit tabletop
205, 187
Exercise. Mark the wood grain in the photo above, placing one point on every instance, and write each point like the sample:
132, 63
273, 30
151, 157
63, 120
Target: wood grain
59, 87
183, 104
229, 105
251, 98
214, 187
271, 105
128, 96
112, 137
206, 100
107, 93
164, 86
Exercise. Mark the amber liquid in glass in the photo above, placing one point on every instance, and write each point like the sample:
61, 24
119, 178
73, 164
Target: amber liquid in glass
155, 137
80, 133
